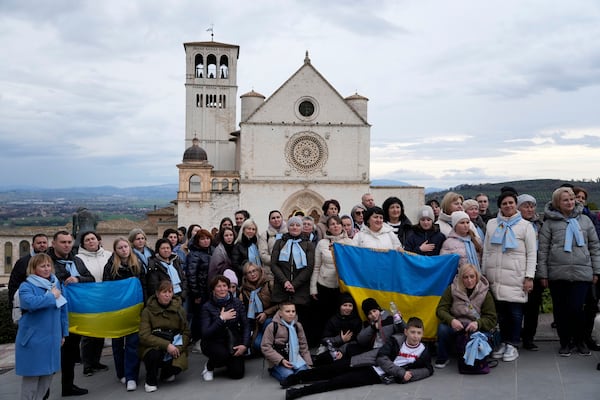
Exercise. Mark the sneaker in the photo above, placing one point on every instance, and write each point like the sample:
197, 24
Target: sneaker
123, 380
196, 347
499, 353
511, 353
529, 345
583, 350
131, 386
150, 388
206, 374
169, 378
88, 371
441, 363
564, 351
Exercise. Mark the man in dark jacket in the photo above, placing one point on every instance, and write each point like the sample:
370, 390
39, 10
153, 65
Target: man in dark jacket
39, 244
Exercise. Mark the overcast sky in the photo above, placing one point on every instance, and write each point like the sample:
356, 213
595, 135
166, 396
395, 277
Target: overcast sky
92, 92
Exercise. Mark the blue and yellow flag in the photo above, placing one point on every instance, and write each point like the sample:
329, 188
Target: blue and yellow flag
415, 283
108, 309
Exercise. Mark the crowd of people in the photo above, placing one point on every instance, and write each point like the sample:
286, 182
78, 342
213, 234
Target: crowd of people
235, 291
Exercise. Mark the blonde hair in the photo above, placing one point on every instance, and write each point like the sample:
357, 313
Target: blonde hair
245, 224
38, 260
132, 261
448, 199
558, 193
464, 269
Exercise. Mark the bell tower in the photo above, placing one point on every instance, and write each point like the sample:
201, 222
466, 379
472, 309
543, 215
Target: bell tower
210, 97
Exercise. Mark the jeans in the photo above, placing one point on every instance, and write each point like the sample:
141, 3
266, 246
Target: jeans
446, 340
510, 319
127, 363
280, 372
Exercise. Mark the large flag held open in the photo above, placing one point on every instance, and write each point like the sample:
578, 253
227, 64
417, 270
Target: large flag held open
415, 283
108, 309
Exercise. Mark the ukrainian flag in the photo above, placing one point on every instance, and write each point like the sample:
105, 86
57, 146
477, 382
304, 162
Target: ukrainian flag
415, 283
109, 309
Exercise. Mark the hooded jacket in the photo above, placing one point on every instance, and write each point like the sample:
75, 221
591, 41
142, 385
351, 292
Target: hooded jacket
554, 262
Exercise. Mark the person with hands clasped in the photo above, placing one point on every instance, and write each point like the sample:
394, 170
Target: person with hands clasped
225, 331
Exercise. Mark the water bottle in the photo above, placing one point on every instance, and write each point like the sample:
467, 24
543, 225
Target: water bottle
332, 350
395, 313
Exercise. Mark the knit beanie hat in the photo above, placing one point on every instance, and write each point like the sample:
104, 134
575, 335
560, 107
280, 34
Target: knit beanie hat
228, 273
369, 304
525, 198
470, 203
458, 215
426, 212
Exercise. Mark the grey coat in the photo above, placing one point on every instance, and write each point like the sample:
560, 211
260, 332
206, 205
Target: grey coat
554, 262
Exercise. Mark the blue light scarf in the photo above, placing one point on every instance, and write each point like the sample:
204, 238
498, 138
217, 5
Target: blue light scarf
173, 275
292, 246
573, 231
294, 345
477, 348
253, 255
255, 305
143, 257
504, 234
47, 284
471, 251
70, 267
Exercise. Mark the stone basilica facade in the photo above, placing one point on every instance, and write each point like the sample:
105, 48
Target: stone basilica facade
294, 150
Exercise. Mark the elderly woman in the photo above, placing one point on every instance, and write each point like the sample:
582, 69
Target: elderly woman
466, 306
42, 328
164, 336
472, 209
292, 264
165, 266
509, 262
568, 263
225, 331
245, 248
256, 295
376, 234
95, 258
462, 241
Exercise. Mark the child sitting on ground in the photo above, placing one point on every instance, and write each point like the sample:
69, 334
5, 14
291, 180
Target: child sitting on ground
284, 344
402, 359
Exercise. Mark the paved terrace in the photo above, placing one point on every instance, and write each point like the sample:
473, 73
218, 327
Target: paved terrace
535, 375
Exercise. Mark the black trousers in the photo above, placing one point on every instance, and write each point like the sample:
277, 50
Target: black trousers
334, 377
220, 356
69, 355
531, 312
153, 361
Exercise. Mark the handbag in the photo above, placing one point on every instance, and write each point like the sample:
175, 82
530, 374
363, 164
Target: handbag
233, 339
167, 334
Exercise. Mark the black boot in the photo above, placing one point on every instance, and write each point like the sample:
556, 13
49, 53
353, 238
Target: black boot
296, 393
290, 381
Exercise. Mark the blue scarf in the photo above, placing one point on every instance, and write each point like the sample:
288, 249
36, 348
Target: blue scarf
294, 345
143, 257
70, 267
477, 348
255, 306
47, 284
573, 231
292, 246
504, 234
173, 275
471, 252
222, 302
253, 255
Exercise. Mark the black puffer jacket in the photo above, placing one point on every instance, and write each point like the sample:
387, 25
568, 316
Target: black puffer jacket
197, 263
213, 328
158, 272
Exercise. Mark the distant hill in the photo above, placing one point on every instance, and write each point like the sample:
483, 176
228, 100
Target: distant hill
388, 182
541, 189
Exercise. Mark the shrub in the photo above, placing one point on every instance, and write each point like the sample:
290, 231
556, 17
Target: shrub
8, 330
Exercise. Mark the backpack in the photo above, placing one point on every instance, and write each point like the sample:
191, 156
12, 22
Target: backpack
480, 367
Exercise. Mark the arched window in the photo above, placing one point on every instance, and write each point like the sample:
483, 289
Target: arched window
198, 100
223, 67
8, 259
225, 185
235, 185
199, 63
195, 184
211, 61
24, 248
215, 185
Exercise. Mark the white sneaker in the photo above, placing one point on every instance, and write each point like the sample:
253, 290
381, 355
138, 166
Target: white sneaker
207, 375
499, 353
511, 353
196, 347
131, 386
123, 380
169, 379
150, 388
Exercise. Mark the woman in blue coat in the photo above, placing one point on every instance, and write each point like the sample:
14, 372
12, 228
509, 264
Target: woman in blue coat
42, 328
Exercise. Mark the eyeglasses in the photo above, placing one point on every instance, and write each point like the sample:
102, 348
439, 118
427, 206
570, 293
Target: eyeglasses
358, 212
252, 271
